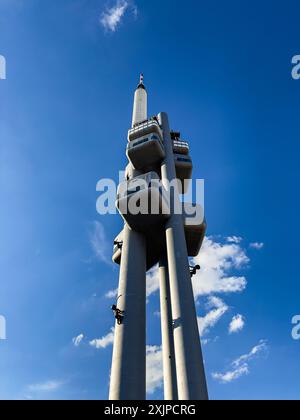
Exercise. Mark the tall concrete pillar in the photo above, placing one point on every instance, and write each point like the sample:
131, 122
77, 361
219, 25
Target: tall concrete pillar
128, 374
169, 366
191, 379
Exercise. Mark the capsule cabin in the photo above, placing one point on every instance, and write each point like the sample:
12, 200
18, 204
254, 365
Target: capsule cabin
146, 151
142, 202
145, 147
144, 128
183, 161
184, 169
194, 227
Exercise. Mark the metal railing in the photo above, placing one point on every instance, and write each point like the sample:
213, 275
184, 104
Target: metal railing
144, 128
181, 147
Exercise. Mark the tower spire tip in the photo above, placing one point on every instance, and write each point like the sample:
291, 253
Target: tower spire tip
141, 84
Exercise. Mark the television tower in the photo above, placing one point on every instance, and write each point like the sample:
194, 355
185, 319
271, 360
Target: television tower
159, 169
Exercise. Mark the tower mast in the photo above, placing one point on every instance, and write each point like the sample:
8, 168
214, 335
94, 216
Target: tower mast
158, 158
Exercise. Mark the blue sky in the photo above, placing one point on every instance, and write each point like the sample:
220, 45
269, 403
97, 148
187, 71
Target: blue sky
222, 70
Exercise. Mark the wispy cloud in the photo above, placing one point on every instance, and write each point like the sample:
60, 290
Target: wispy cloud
49, 386
112, 17
261, 347
111, 294
240, 366
104, 342
234, 239
231, 375
257, 245
205, 341
218, 309
77, 340
154, 368
99, 242
237, 324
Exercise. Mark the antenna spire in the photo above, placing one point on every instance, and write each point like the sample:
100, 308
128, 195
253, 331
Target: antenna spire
140, 103
141, 84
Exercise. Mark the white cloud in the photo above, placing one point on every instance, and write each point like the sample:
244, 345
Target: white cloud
237, 324
152, 283
104, 342
112, 17
205, 341
49, 386
99, 242
77, 340
218, 309
234, 239
2, 67
240, 366
217, 262
112, 294
261, 347
154, 363
257, 245
154, 368
231, 375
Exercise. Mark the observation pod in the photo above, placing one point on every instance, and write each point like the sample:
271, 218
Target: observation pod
144, 128
143, 202
180, 147
145, 151
184, 169
194, 227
